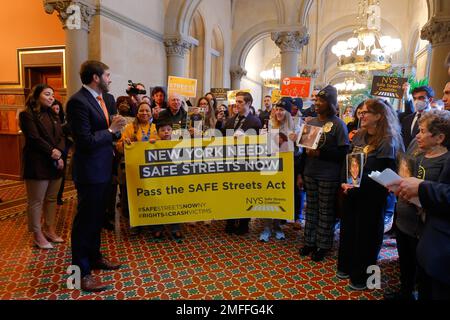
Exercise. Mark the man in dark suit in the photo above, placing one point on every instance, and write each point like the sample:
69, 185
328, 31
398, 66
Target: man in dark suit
92, 117
243, 123
422, 97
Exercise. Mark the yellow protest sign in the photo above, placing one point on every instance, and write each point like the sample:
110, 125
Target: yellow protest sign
231, 95
195, 180
185, 87
276, 95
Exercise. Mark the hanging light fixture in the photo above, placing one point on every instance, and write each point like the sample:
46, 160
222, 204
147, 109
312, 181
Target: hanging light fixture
367, 50
347, 88
271, 77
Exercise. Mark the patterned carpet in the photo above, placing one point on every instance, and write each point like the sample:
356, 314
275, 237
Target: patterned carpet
207, 264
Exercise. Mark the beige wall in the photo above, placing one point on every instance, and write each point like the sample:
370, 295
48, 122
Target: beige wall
149, 13
133, 55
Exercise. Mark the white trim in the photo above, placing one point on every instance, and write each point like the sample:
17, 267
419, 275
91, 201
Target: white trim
421, 52
214, 52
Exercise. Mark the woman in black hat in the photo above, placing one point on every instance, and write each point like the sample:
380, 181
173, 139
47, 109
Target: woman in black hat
322, 173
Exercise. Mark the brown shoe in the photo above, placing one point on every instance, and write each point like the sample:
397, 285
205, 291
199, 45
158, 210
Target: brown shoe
90, 284
105, 264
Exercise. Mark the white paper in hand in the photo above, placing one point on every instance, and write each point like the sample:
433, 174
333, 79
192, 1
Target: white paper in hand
388, 177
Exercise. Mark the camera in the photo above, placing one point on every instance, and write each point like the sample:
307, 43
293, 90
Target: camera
133, 90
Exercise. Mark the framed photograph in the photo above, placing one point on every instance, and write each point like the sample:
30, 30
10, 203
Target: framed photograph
355, 164
309, 136
196, 117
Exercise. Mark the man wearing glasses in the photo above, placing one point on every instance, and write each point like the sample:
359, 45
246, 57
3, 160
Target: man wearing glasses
422, 97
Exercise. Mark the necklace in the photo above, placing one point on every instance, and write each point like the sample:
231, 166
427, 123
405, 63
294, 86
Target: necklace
145, 137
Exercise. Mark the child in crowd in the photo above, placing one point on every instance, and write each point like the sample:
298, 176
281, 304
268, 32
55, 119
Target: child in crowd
164, 129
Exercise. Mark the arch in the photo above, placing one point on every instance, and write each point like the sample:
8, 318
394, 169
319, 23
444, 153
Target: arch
252, 36
281, 13
217, 58
304, 11
431, 8
413, 45
179, 15
195, 58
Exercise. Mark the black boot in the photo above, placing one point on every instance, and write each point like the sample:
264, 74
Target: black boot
307, 250
230, 227
319, 255
242, 227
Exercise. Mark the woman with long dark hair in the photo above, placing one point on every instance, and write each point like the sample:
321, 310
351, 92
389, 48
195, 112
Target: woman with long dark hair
43, 163
362, 224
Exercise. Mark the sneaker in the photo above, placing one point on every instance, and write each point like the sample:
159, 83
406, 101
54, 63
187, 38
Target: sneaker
342, 275
279, 235
265, 235
357, 287
388, 223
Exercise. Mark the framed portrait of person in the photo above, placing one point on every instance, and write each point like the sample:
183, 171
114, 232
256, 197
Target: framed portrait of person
355, 164
309, 136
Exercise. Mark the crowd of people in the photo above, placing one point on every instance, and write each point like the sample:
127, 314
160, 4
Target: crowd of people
100, 127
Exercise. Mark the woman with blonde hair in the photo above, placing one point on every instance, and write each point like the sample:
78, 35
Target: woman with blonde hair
43, 163
362, 224
284, 131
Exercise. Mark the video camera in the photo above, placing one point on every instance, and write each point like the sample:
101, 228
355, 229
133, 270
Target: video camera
132, 90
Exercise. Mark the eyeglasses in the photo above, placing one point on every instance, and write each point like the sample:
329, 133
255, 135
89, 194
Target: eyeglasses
363, 113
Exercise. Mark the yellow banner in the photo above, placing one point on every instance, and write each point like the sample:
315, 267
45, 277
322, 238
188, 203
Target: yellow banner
231, 95
276, 95
195, 180
185, 87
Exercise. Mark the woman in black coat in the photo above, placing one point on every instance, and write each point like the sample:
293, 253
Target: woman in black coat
362, 224
43, 163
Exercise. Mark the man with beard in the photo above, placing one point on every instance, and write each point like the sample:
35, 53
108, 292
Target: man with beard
264, 115
92, 116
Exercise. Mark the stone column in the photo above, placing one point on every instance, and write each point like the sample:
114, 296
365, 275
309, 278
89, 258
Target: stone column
236, 75
176, 49
76, 17
290, 44
437, 32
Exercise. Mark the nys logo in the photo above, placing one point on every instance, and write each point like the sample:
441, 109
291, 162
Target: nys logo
257, 204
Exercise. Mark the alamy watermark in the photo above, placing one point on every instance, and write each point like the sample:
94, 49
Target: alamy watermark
73, 21
74, 279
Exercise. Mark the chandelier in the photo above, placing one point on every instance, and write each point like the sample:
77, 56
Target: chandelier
271, 77
367, 50
349, 86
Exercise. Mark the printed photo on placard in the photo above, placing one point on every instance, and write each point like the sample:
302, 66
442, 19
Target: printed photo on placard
406, 164
355, 164
196, 117
309, 136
